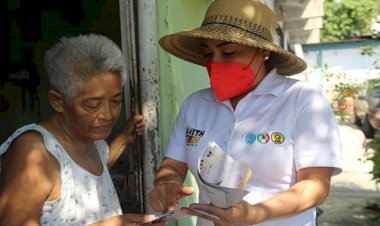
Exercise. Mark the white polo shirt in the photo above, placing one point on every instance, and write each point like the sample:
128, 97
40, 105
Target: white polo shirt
282, 126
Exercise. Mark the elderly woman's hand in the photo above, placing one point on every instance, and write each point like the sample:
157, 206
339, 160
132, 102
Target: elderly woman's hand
134, 125
236, 215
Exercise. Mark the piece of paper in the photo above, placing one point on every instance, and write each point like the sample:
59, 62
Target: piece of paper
158, 217
174, 215
177, 214
223, 178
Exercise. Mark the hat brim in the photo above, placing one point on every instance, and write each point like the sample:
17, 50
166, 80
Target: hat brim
187, 46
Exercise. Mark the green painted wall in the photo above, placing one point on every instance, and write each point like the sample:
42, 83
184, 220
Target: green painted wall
178, 78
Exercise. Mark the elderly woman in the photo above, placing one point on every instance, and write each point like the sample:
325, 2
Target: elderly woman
56, 172
284, 129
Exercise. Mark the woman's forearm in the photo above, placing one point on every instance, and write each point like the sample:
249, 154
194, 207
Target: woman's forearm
311, 190
117, 147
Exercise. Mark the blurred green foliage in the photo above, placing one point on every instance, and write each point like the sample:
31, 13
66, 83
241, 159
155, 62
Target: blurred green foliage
373, 154
347, 19
373, 150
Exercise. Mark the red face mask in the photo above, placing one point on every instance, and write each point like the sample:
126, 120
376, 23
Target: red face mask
231, 79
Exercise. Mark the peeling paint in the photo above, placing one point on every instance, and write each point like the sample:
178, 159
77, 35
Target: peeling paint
149, 90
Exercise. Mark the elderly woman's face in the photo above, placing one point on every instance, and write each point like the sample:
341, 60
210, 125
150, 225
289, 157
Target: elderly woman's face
96, 107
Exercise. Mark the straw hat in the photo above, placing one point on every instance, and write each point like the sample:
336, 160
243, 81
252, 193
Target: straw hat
246, 22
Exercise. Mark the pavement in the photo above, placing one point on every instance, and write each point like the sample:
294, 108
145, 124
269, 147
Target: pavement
354, 198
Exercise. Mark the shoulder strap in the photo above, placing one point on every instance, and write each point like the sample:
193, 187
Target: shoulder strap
50, 142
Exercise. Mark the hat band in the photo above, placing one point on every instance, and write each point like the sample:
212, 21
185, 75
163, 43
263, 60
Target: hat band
248, 31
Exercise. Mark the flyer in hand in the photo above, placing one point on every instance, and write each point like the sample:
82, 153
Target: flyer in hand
223, 178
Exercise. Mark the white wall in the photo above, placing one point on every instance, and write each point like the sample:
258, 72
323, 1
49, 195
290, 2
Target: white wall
344, 59
352, 62
269, 3
348, 60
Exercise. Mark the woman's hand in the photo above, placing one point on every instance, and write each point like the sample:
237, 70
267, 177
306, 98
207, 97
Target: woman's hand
134, 125
164, 197
168, 186
233, 216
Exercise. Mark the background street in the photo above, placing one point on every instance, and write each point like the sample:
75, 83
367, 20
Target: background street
354, 196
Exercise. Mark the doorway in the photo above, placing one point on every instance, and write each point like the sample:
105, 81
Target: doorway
30, 27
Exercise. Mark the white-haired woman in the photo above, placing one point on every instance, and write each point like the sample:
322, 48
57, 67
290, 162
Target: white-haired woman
55, 172
284, 129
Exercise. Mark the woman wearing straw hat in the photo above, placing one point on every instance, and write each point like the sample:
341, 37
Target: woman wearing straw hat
283, 128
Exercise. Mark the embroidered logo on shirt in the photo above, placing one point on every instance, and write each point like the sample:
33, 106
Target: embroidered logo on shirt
277, 138
250, 138
193, 136
263, 138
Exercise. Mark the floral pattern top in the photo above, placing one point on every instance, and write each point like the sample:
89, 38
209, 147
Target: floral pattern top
85, 198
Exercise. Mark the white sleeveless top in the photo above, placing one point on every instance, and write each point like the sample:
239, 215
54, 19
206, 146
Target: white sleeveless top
85, 197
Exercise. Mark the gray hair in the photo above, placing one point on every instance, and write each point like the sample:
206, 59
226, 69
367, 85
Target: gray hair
74, 60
